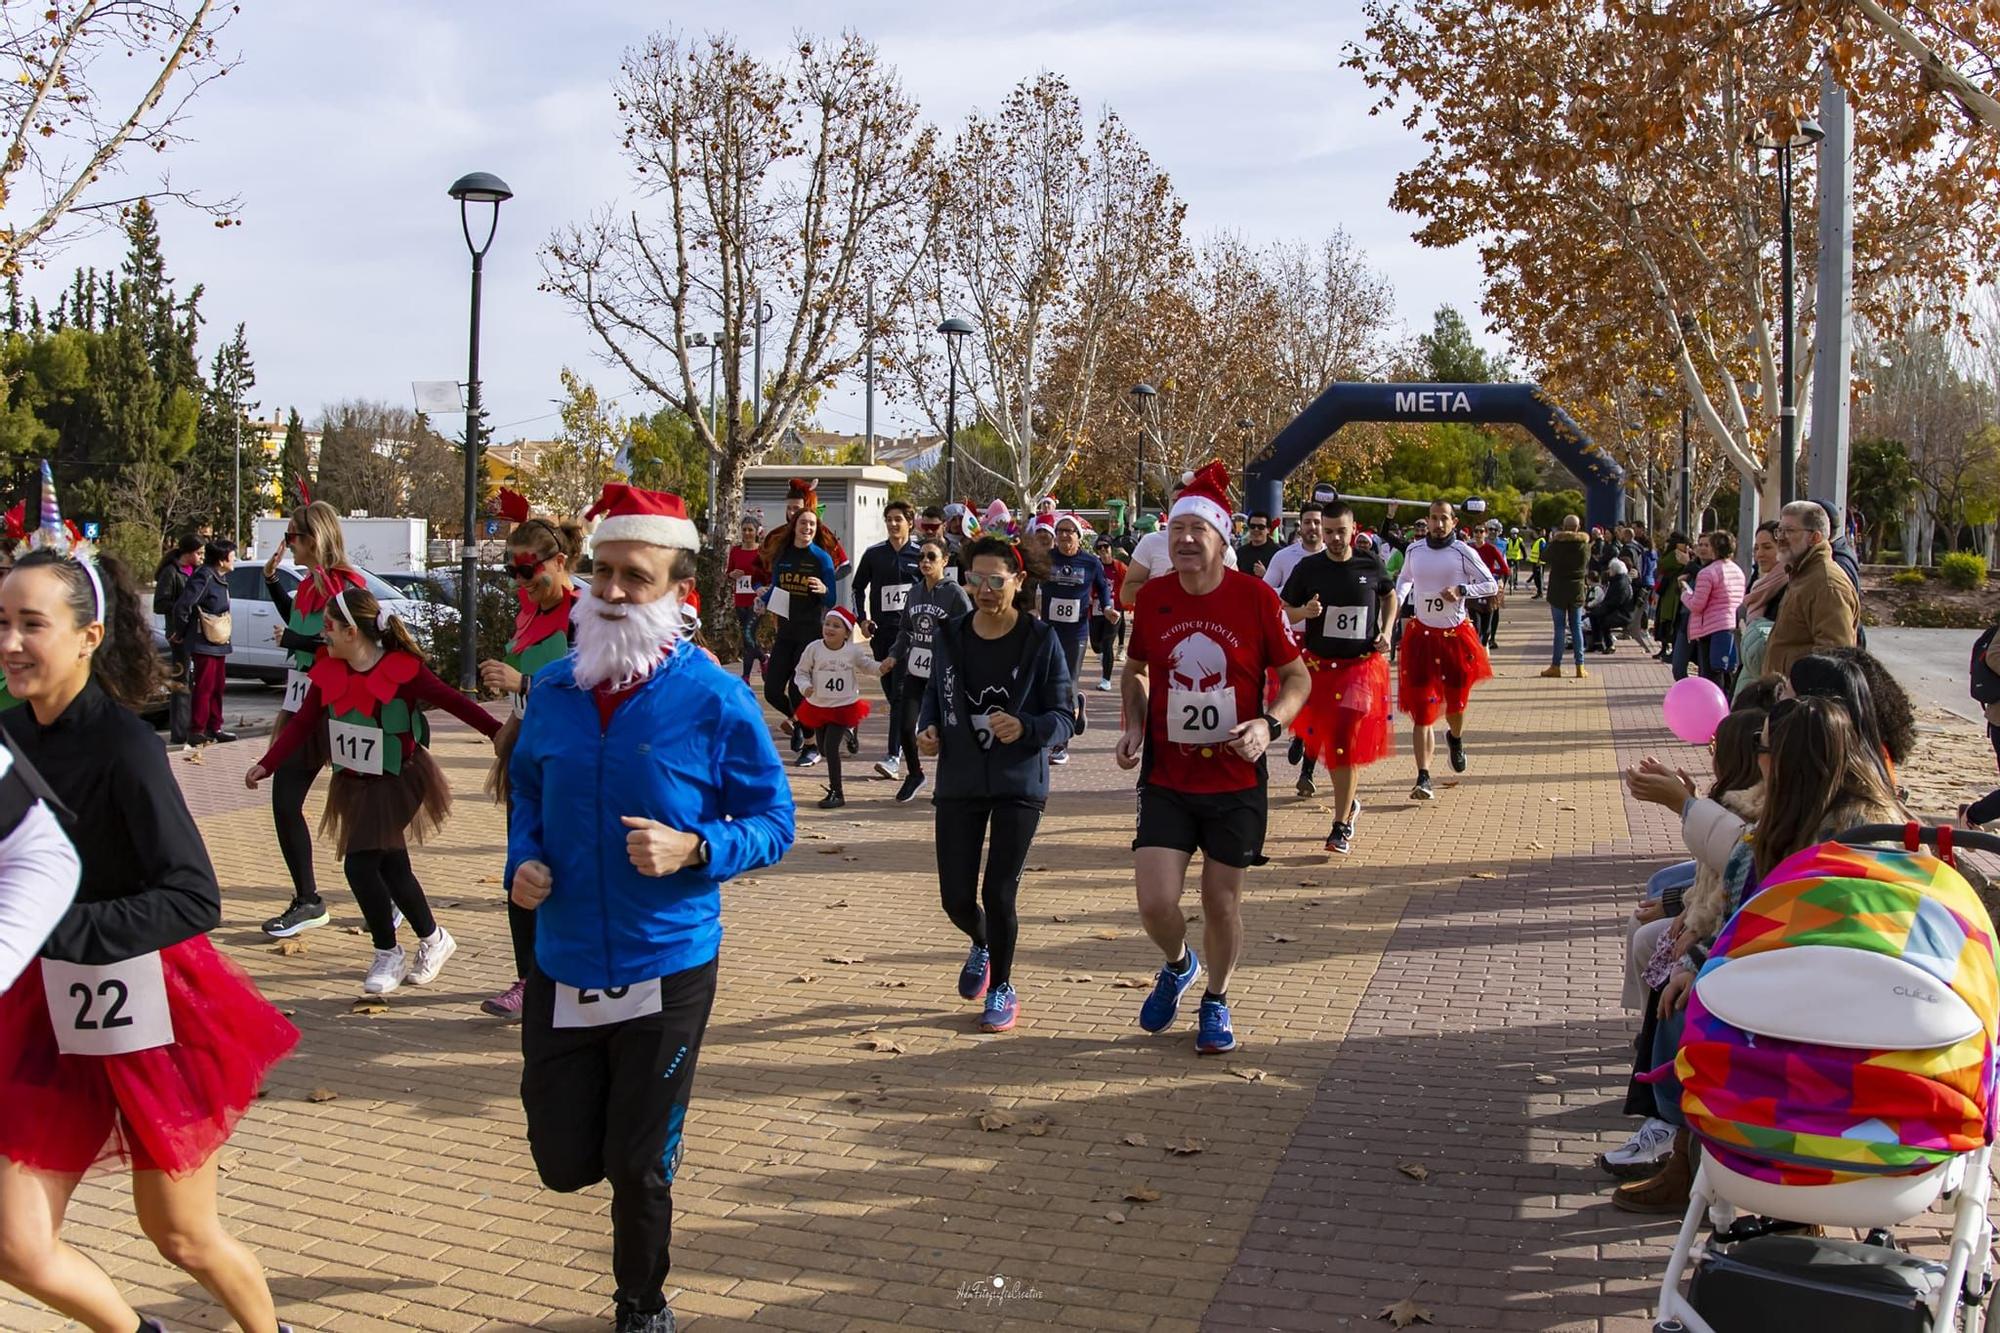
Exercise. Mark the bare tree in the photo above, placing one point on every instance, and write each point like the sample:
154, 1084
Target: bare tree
362, 450
65, 125
794, 186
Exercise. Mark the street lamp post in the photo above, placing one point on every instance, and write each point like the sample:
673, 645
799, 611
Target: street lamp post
1687, 472
953, 329
479, 187
1246, 425
236, 411
1142, 398
1804, 134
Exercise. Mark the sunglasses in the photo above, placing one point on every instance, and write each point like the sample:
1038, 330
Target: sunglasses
526, 569
928, 557
292, 535
993, 582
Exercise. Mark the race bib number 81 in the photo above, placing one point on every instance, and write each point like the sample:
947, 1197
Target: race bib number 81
1345, 622
113, 1009
1204, 718
601, 1008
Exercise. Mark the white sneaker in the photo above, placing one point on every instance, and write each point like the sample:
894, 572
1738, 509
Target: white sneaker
890, 768
387, 974
431, 957
1104, 685
1651, 1143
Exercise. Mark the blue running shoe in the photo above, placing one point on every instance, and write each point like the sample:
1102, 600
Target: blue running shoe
1158, 1012
1216, 1035
972, 977
1003, 1006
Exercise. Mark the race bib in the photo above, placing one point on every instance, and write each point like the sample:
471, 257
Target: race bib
113, 1009
1439, 612
745, 586
358, 749
834, 681
1196, 718
982, 730
296, 685
517, 704
602, 1008
1344, 622
781, 604
1065, 610
896, 597
919, 663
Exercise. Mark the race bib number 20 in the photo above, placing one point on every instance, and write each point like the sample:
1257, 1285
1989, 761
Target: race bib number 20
601, 1008
1200, 718
113, 1009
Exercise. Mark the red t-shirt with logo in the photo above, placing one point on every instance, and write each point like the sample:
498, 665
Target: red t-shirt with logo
744, 563
1205, 662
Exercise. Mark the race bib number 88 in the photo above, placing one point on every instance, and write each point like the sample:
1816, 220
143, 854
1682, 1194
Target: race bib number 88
113, 1009
1200, 718
1065, 610
601, 1008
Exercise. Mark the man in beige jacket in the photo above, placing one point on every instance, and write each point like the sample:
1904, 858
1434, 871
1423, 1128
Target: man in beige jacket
1820, 608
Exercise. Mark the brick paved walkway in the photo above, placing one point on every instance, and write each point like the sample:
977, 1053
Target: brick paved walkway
1444, 997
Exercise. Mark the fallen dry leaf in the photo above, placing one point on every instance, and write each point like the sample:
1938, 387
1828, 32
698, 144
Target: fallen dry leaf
194, 757
1545, 1078
1405, 1313
844, 959
834, 850
994, 1120
229, 1162
882, 1044
321, 1095
850, 858
1535, 847
838, 902
1142, 1194
1104, 935
1282, 939
1135, 1140
821, 837
355, 930
806, 977
1415, 1170
1248, 1075
1486, 874
291, 948
1449, 783
1186, 1147
1058, 917
1037, 1126
1192, 918
1079, 976
369, 1006
1131, 983
892, 985
1115, 1217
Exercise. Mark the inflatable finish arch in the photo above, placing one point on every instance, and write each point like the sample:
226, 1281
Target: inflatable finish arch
1524, 405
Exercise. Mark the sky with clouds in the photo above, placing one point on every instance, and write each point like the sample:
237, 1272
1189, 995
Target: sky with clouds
345, 123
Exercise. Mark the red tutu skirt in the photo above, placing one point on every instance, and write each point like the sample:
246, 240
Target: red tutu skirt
1345, 722
1436, 670
813, 717
165, 1109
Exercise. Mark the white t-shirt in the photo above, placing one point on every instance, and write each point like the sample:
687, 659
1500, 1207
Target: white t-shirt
1284, 562
38, 878
832, 679
1427, 571
1151, 555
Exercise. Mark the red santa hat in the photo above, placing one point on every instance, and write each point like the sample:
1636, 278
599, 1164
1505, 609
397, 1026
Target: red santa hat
1048, 500
1205, 494
511, 505
1076, 521
657, 518
843, 615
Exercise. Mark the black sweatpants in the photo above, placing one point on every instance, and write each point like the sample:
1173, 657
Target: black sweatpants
779, 691
609, 1103
289, 786
910, 694
1105, 639
520, 924
384, 880
892, 682
991, 918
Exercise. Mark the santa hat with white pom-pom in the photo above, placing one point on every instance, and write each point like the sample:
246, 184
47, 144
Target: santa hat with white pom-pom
1205, 494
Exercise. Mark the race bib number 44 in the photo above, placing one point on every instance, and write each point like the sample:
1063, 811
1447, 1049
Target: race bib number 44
1200, 718
601, 1008
357, 749
920, 662
296, 685
1344, 622
113, 1009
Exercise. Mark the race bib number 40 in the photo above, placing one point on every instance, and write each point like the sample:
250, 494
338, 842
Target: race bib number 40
831, 683
296, 685
113, 1009
357, 749
601, 1008
1204, 718
1344, 622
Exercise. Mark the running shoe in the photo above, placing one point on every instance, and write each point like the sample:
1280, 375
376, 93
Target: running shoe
387, 972
1059, 755
1161, 1007
1353, 815
810, 756
1456, 744
890, 768
1216, 1036
432, 955
1003, 1006
1422, 791
1305, 786
1105, 684
297, 917
1082, 718
1640, 1156
853, 742
507, 1004
1341, 840
660, 1321
912, 784
1295, 754
972, 977
833, 800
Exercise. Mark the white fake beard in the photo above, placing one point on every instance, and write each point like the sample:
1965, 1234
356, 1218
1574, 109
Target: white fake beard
620, 646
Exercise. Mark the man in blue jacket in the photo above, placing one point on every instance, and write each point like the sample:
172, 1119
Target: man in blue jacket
643, 777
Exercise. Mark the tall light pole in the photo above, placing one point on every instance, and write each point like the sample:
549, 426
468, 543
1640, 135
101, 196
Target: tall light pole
763, 312
1142, 398
479, 187
1804, 134
236, 411
1246, 425
954, 330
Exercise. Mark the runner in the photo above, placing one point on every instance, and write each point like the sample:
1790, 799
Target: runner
628, 887
1203, 638
998, 705
801, 590
1307, 539
1075, 580
1538, 546
1442, 658
1345, 603
883, 579
828, 679
1485, 611
161, 1091
314, 539
1260, 545
933, 601
365, 698
1107, 623
746, 575
1150, 556
539, 556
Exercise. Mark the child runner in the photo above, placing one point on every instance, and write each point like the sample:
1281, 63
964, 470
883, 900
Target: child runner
1075, 578
999, 700
539, 552
130, 1037
314, 539
829, 679
934, 600
746, 575
366, 696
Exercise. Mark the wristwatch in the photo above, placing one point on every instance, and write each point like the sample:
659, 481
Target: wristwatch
701, 852
1277, 727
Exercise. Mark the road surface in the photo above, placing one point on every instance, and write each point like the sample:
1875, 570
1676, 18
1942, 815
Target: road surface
1931, 664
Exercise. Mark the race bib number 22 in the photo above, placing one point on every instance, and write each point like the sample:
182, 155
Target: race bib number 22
113, 1009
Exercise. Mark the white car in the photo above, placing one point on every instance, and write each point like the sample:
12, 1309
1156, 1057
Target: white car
253, 655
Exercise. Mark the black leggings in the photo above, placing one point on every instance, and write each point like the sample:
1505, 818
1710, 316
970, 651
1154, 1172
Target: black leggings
910, 698
961, 832
1105, 639
384, 880
779, 691
1986, 809
289, 786
830, 741
520, 926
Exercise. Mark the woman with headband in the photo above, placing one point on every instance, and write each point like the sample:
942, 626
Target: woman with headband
130, 1037
365, 705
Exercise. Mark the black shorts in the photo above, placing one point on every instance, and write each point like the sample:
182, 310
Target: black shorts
1224, 826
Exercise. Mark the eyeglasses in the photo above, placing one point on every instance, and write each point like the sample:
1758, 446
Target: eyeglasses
993, 582
526, 569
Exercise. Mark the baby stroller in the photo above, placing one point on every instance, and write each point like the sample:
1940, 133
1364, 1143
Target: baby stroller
1837, 1070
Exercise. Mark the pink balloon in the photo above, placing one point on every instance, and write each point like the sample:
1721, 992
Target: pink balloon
1694, 708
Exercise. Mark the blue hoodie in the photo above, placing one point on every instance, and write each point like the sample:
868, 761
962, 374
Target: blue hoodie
688, 748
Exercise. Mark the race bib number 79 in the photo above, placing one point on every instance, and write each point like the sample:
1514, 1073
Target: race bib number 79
113, 1009
587, 1008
